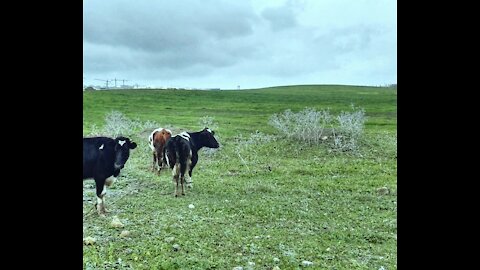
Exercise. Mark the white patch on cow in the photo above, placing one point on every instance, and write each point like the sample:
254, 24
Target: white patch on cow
189, 181
185, 135
168, 161
121, 142
99, 200
150, 137
209, 130
176, 169
110, 180
150, 144
104, 191
101, 147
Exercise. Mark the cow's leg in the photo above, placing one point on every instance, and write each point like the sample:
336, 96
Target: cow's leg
189, 179
190, 169
184, 167
159, 159
154, 161
176, 182
101, 191
182, 182
176, 175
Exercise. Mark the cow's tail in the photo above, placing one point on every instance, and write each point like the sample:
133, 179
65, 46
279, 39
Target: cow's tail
165, 156
183, 158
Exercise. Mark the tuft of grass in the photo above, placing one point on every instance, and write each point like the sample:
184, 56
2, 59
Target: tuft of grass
248, 149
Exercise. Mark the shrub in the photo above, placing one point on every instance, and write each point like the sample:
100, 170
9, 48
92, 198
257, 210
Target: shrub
313, 127
117, 124
208, 121
349, 130
307, 125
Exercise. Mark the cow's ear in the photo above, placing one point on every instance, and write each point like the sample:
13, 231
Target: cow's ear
133, 145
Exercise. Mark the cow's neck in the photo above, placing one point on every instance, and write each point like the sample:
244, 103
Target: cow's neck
195, 139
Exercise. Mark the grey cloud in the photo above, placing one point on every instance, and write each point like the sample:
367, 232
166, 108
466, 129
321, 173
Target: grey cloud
280, 17
301, 51
349, 39
172, 35
162, 27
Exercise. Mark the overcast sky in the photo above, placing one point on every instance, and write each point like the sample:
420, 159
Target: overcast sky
248, 44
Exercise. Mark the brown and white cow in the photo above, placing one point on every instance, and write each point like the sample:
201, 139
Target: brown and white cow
157, 140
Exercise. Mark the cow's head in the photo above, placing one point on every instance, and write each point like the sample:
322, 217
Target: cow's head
206, 135
122, 151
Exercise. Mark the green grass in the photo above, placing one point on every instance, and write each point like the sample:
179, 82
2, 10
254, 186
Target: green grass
282, 200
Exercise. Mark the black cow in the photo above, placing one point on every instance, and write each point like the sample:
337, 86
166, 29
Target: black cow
103, 158
181, 154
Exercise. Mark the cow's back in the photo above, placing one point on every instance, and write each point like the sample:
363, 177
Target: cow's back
160, 138
177, 149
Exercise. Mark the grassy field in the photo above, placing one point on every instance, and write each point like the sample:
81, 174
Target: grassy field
258, 202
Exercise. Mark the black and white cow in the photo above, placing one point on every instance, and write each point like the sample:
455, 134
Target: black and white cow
103, 158
181, 154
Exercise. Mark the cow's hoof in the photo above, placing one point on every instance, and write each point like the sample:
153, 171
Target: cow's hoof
102, 212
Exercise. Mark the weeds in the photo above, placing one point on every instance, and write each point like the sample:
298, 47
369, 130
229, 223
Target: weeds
247, 149
118, 124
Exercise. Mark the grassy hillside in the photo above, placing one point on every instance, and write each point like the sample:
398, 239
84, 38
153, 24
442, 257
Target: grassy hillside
260, 201
239, 111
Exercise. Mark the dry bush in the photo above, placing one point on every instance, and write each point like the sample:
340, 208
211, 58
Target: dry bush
311, 126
